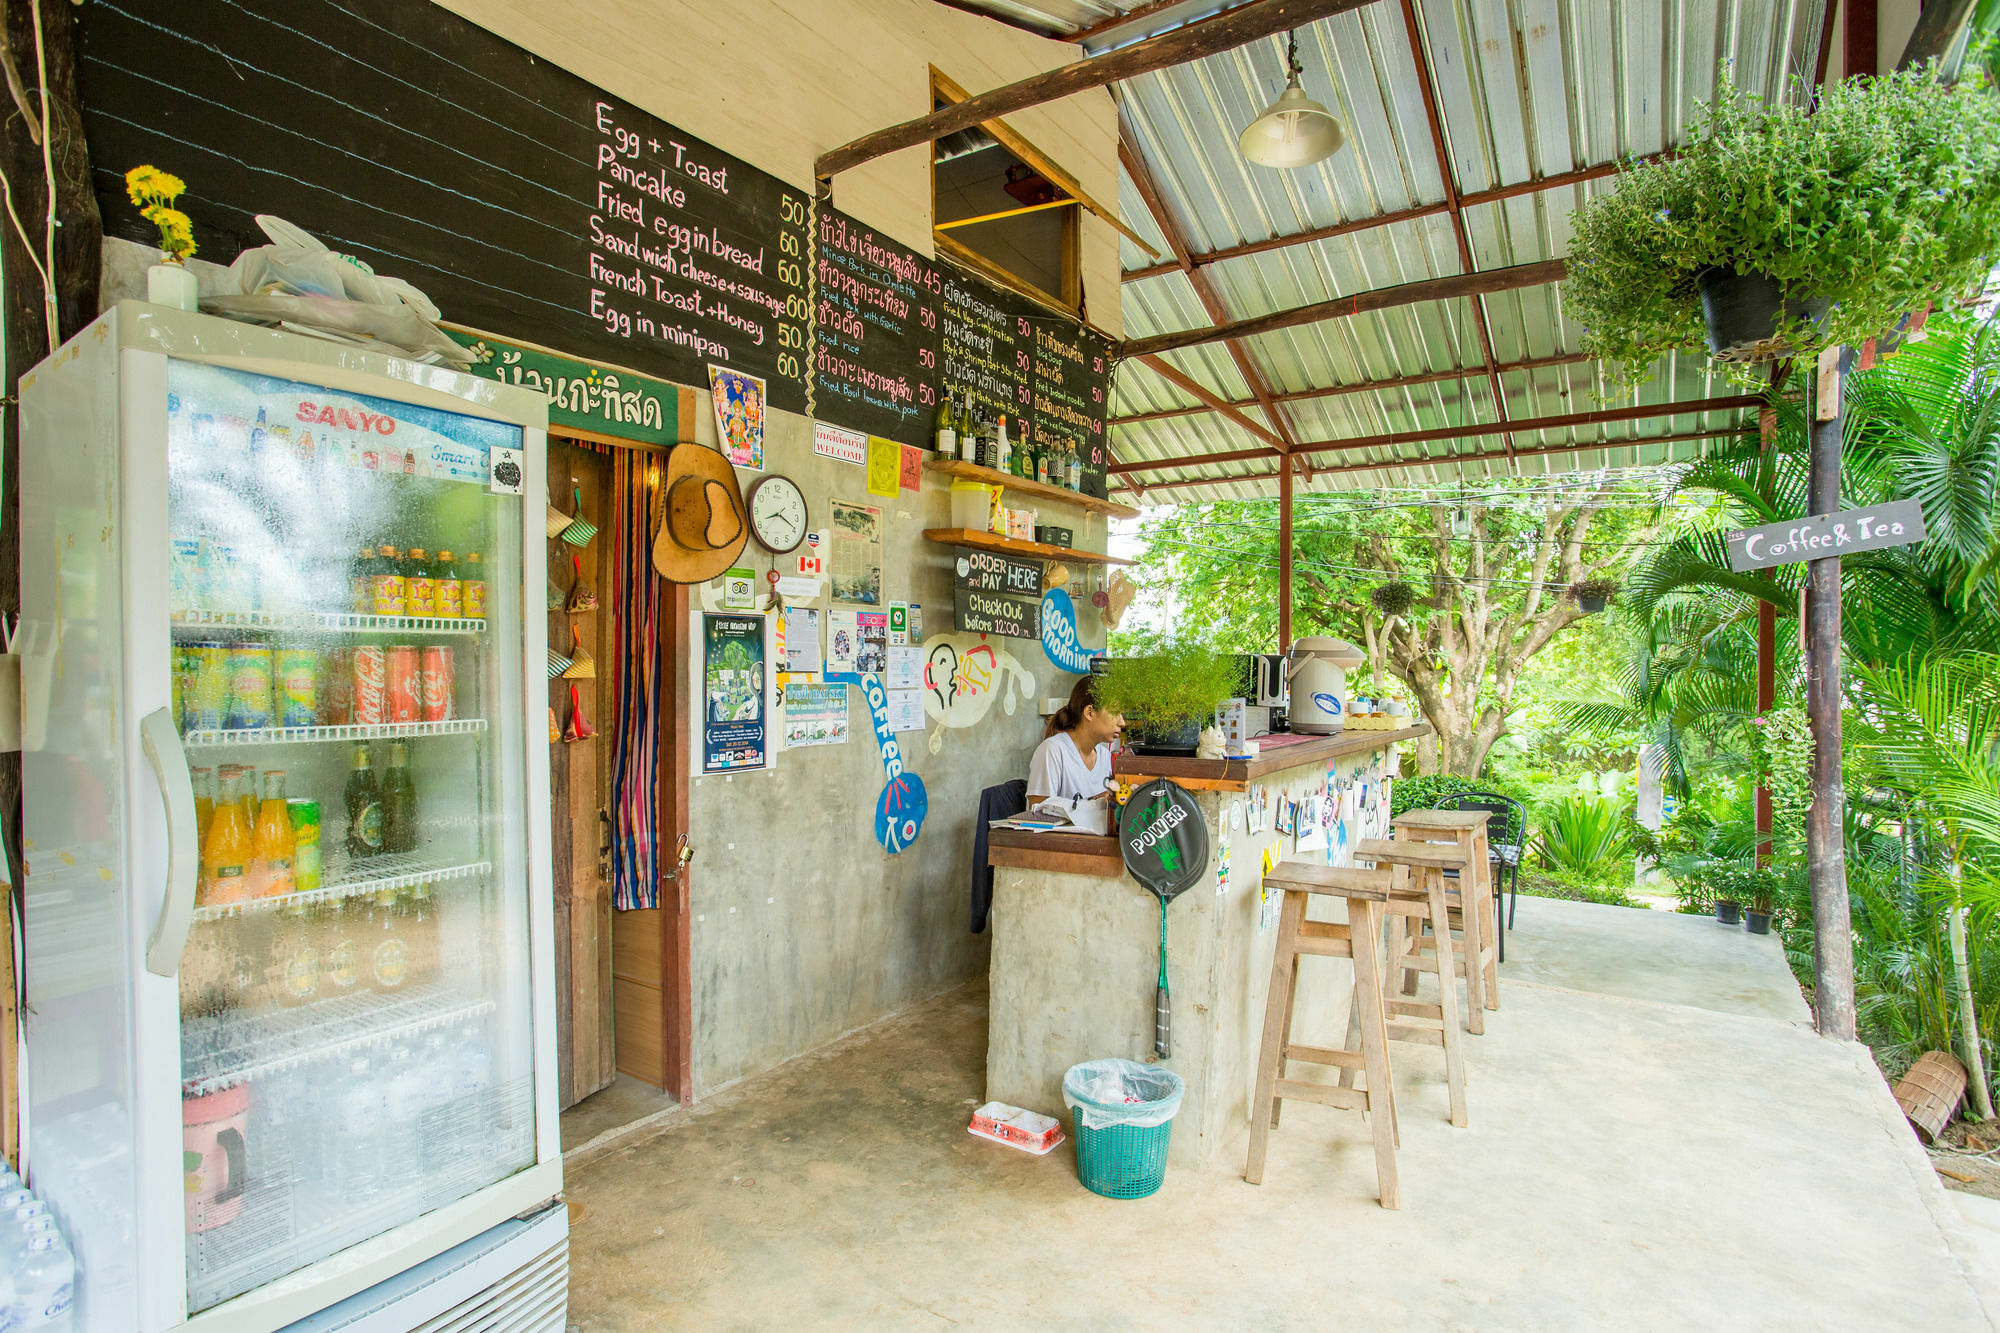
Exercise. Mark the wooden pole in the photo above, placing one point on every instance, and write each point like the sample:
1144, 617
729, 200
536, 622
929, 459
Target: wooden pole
1767, 628
1826, 857
1285, 555
1225, 32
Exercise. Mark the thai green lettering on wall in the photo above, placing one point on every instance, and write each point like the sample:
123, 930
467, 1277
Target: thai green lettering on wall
581, 395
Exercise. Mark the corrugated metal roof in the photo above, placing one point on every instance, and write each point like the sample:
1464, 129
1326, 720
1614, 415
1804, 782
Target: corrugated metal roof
1526, 89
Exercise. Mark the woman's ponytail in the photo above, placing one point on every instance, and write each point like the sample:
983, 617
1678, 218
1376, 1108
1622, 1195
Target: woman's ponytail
1070, 716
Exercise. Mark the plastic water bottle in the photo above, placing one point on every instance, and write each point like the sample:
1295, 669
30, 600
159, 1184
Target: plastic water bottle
354, 1146
475, 1063
403, 1096
30, 1228
44, 1287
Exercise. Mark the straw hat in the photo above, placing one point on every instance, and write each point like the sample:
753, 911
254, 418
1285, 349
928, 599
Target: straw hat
702, 524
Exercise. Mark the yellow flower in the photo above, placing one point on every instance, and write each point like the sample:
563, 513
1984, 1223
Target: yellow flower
149, 185
176, 230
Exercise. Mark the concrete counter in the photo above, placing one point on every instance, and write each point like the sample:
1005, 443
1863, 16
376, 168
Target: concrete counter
1076, 943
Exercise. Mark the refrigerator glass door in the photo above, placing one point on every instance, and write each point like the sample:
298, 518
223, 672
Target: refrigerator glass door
356, 1041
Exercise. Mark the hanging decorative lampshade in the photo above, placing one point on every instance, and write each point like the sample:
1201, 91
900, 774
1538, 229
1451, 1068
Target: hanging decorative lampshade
1293, 131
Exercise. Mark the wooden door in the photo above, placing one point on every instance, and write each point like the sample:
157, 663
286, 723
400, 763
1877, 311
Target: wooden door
580, 789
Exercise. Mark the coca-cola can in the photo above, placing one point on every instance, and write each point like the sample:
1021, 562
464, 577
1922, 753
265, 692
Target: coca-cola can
439, 700
405, 694
371, 686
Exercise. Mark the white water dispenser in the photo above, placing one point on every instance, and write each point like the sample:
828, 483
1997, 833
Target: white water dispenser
1319, 683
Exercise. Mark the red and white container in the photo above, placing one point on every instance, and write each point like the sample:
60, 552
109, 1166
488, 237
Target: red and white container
371, 686
405, 693
1030, 1131
437, 697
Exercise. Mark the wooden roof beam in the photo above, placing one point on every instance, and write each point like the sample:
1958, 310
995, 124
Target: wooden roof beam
1684, 407
1225, 32
1360, 303
1165, 370
1359, 386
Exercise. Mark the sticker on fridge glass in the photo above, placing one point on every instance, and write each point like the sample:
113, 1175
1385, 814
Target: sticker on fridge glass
503, 470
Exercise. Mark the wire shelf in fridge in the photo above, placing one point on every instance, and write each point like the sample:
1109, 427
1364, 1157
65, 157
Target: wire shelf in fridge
339, 621
370, 731
352, 879
222, 1051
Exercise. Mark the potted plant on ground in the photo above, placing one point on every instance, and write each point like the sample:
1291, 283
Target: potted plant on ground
1784, 229
1170, 694
1763, 897
1593, 595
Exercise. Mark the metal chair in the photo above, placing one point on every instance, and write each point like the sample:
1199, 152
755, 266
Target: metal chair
1505, 846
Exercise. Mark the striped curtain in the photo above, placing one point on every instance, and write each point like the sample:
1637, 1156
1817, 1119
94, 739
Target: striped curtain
635, 626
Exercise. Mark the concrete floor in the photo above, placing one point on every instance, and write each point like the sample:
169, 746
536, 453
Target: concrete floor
1631, 1162
611, 1114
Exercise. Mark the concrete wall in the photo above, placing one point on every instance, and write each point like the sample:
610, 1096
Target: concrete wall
804, 928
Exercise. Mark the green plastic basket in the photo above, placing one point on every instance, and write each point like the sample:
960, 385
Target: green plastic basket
1122, 1161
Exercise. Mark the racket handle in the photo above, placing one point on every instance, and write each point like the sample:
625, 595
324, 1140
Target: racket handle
1163, 1025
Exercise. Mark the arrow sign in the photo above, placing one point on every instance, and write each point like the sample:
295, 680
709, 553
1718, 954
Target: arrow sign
1897, 523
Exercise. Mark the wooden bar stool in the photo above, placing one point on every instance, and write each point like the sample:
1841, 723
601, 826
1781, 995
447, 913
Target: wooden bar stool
1434, 858
1417, 895
1359, 938
1467, 828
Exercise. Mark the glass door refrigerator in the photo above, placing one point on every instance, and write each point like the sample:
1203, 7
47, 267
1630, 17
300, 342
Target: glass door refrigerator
289, 981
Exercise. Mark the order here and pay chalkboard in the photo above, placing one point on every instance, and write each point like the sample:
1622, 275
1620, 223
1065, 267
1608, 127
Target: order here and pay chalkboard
533, 205
997, 594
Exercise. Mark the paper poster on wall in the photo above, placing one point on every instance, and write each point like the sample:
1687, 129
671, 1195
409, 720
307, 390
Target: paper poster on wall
871, 651
913, 468
906, 710
815, 715
739, 590
916, 622
735, 692
843, 641
906, 667
831, 441
739, 416
899, 624
798, 587
802, 655
885, 467
856, 557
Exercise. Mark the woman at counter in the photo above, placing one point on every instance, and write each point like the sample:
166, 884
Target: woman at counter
1074, 759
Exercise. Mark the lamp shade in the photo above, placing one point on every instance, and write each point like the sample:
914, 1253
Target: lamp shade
1294, 131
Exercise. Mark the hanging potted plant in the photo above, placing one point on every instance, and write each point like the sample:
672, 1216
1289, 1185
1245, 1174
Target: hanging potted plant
1393, 599
1169, 695
1593, 595
168, 282
1782, 230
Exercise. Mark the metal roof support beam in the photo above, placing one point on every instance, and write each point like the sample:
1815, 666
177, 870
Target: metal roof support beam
1225, 32
1644, 412
1361, 303
1445, 460
1359, 386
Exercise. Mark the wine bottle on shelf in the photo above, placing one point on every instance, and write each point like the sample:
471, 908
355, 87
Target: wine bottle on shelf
968, 434
944, 435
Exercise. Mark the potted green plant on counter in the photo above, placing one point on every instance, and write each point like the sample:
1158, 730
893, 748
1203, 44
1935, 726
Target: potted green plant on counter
1785, 229
1170, 694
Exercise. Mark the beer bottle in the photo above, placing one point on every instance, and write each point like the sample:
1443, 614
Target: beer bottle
399, 803
419, 584
472, 588
450, 596
361, 583
364, 807
387, 951
388, 579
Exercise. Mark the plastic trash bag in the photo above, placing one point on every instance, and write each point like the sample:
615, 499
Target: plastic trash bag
296, 281
1104, 1093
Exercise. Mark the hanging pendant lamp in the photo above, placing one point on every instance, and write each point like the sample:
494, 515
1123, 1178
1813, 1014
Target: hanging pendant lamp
1294, 131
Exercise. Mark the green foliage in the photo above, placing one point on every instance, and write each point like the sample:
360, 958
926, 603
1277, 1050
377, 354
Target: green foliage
1605, 588
1884, 199
1181, 681
1578, 888
1426, 791
1394, 599
1581, 834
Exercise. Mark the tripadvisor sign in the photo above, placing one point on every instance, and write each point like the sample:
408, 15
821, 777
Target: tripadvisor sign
1163, 838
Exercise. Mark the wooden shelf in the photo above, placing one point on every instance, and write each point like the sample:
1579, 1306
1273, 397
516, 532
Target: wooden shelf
1041, 489
993, 541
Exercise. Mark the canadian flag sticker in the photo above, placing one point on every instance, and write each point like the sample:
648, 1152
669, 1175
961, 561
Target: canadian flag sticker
811, 564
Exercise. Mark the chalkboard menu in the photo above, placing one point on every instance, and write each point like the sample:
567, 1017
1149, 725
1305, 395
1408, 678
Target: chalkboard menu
531, 204
997, 594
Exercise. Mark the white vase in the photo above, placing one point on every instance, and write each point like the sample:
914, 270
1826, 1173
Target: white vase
172, 285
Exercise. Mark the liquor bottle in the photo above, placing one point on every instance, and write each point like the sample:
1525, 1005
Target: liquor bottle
274, 845
1075, 469
450, 594
390, 590
472, 587
399, 802
225, 852
1042, 465
419, 585
1003, 447
364, 807
944, 435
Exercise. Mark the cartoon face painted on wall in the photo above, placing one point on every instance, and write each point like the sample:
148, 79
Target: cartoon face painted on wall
963, 676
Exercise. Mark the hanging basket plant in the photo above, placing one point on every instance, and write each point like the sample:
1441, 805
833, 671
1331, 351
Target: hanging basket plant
1393, 599
1593, 595
1782, 231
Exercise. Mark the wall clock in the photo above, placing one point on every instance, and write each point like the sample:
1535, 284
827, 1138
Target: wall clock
778, 514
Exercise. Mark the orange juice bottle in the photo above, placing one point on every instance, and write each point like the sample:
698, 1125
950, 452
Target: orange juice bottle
225, 852
204, 803
274, 845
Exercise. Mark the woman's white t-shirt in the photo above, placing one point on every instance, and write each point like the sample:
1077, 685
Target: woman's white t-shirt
1059, 769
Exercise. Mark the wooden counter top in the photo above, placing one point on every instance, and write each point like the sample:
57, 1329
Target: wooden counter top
1293, 750
1061, 853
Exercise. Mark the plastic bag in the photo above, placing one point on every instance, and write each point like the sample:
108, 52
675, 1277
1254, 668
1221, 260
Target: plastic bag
1104, 1093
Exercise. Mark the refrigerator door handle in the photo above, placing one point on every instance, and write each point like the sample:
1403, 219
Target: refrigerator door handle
161, 740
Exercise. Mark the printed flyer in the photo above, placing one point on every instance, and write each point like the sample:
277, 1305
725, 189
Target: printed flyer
739, 416
815, 715
857, 553
734, 735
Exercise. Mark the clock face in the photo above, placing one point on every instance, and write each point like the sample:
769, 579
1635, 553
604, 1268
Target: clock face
778, 514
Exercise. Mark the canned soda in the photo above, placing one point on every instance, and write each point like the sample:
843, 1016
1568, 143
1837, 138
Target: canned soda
404, 694
210, 705
336, 688
307, 865
371, 686
249, 686
298, 672
438, 700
